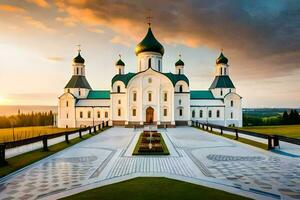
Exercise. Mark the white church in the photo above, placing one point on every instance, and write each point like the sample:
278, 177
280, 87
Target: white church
149, 95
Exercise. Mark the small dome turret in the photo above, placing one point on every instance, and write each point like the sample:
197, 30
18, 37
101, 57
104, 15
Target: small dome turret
149, 44
120, 63
221, 59
179, 63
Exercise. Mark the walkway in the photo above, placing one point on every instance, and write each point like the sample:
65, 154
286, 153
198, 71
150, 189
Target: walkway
196, 156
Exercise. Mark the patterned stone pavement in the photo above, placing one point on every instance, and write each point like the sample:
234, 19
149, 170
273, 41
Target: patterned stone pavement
195, 155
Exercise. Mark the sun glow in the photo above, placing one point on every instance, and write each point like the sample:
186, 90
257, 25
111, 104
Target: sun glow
3, 100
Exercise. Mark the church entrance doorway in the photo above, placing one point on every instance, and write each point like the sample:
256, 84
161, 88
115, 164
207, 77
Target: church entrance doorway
149, 115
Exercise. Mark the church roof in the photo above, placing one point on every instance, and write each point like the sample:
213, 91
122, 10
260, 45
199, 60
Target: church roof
201, 94
222, 82
179, 63
125, 78
99, 94
149, 43
120, 62
78, 59
222, 59
78, 82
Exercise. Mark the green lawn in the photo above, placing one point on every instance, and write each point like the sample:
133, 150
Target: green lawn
20, 133
154, 188
285, 130
25, 159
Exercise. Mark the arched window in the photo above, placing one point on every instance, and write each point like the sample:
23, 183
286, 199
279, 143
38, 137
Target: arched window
165, 96
119, 70
193, 114
79, 92
106, 115
118, 89
67, 103
77, 70
81, 71
201, 114
67, 115
149, 62
218, 113
179, 101
179, 71
119, 101
81, 114
209, 114
221, 71
98, 114
119, 112
180, 112
89, 114
134, 112
221, 92
159, 68
224, 71
165, 112
231, 103
149, 96
68, 90
180, 88
231, 115
134, 96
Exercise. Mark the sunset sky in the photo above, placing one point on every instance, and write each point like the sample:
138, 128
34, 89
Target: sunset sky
261, 39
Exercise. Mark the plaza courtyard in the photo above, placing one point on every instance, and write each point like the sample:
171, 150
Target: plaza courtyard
195, 156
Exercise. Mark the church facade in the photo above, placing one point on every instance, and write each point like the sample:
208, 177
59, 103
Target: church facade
150, 95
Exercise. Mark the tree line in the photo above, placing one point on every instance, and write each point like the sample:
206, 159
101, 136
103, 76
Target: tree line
29, 119
287, 118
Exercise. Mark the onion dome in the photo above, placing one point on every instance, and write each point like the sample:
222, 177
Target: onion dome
120, 62
149, 43
78, 59
179, 63
222, 59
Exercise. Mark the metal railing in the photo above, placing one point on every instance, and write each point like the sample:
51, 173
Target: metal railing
44, 139
273, 140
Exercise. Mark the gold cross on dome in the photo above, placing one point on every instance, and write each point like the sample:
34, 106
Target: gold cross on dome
120, 56
149, 17
222, 49
179, 56
79, 48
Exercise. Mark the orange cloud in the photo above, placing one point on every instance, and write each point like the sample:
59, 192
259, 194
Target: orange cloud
38, 24
9, 8
40, 3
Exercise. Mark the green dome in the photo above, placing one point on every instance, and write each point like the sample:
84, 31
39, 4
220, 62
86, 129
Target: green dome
149, 43
222, 59
120, 62
179, 63
78, 59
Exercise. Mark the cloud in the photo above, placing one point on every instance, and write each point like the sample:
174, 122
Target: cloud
10, 8
38, 24
55, 58
259, 37
40, 3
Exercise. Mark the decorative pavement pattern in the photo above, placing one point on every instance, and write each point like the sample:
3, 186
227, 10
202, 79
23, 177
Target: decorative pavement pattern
196, 156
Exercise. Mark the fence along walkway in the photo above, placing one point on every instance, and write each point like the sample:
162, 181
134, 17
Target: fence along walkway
46, 139
273, 140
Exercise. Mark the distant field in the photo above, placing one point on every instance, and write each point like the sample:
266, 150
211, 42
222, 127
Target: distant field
7, 134
286, 130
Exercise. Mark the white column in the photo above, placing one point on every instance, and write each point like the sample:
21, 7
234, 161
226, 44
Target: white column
172, 108
159, 105
140, 97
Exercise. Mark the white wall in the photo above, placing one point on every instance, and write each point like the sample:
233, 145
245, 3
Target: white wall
142, 61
